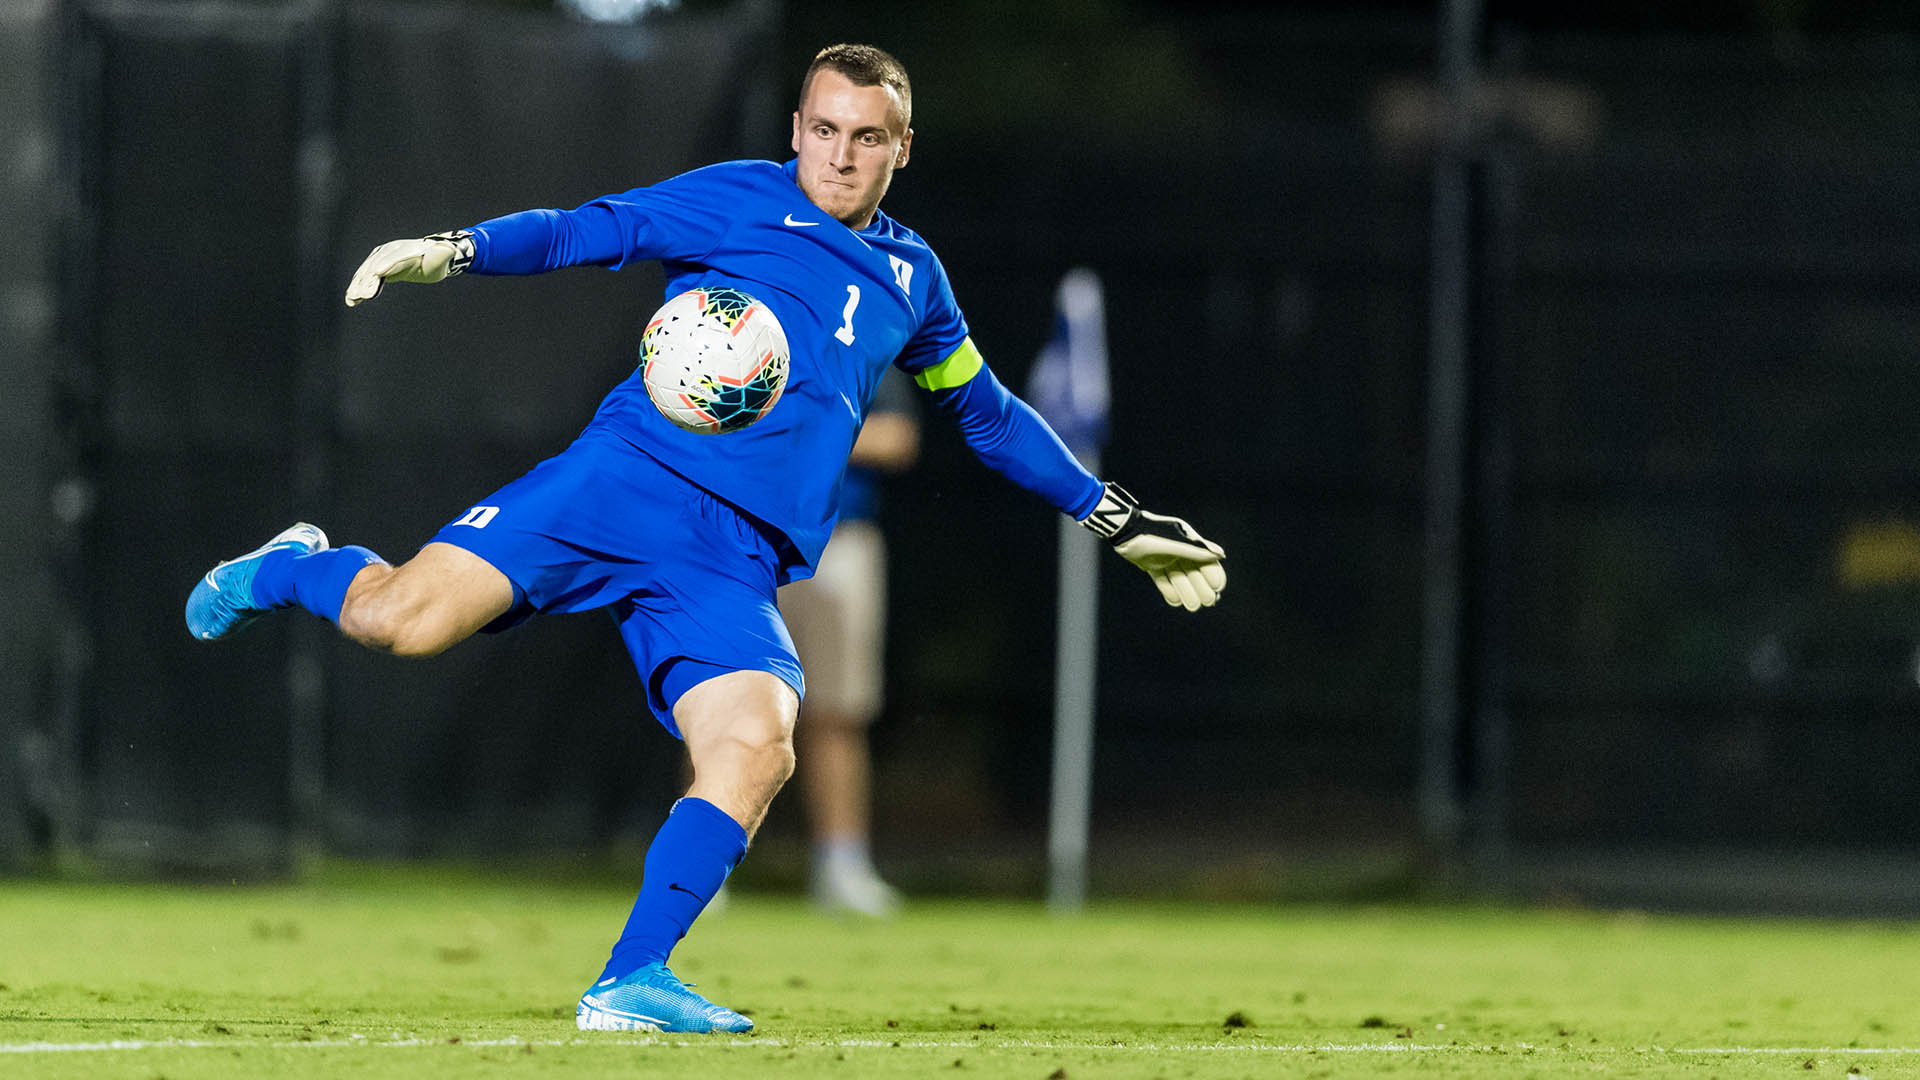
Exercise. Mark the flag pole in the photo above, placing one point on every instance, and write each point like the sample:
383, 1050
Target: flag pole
1070, 388
1070, 817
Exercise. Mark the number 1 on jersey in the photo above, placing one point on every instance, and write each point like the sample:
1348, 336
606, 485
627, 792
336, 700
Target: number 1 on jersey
845, 333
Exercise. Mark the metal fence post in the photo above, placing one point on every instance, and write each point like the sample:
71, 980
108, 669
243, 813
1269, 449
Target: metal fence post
1449, 341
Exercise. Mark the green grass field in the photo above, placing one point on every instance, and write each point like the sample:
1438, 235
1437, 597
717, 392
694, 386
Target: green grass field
411, 972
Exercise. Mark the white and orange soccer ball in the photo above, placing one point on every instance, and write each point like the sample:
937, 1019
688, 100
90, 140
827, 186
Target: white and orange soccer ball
714, 360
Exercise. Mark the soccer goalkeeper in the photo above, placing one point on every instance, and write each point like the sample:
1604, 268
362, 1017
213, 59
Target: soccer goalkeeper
685, 537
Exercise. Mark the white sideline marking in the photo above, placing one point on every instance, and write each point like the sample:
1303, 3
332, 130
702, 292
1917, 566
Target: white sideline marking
123, 1045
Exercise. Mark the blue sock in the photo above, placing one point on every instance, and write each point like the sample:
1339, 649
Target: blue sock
317, 581
690, 859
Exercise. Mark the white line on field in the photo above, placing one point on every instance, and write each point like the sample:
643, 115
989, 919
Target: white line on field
122, 1045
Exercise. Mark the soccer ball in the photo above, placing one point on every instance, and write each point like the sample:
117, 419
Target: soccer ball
714, 360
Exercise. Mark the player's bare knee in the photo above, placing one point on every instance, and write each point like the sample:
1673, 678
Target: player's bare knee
373, 620
756, 746
779, 758
412, 641
360, 619
768, 743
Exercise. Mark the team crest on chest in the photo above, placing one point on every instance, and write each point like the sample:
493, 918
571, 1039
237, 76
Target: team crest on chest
902, 273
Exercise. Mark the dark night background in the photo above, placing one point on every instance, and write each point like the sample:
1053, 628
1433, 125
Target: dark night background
1690, 629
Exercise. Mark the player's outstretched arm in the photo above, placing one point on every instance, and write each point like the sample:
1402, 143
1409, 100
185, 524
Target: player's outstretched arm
1184, 564
1012, 439
421, 262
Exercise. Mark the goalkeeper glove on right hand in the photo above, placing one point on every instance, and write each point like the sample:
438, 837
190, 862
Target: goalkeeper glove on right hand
1182, 563
421, 262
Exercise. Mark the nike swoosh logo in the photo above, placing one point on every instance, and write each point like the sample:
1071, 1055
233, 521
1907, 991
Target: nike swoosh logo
607, 1010
677, 887
799, 224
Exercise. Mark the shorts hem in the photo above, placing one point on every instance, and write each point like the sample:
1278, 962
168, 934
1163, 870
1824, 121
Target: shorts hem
662, 674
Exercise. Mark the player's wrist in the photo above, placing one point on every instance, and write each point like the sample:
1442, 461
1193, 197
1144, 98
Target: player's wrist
1115, 517
462, 241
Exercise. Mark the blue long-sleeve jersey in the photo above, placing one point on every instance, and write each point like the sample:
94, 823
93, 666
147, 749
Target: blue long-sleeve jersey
851, 302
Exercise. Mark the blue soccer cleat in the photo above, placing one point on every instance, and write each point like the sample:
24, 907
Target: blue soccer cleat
222, 602
653, 999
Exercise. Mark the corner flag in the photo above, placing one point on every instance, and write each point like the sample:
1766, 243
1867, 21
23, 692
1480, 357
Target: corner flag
1069, 384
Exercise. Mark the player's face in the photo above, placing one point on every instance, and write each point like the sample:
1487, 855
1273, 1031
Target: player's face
849, 140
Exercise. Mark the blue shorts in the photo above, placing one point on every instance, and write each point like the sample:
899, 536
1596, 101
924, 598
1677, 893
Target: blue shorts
689, 579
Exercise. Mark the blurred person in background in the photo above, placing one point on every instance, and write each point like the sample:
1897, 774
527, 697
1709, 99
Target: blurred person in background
838, 619
685, 538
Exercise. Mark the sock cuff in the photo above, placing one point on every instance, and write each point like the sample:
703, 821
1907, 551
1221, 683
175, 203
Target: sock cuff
324, 577
366, 556
711, 817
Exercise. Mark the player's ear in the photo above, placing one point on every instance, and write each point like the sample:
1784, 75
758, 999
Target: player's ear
906, 144
796, 131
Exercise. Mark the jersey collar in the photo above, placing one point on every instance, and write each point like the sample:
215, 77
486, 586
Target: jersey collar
792, 169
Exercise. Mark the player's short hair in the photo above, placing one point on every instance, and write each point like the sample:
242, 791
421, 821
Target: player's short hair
864, 65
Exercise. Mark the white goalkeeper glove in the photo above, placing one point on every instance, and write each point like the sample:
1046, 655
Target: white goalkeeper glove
1184, 564
421, 262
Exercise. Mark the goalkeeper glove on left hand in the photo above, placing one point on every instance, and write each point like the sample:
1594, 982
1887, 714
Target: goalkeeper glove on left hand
1182, 563
422, 262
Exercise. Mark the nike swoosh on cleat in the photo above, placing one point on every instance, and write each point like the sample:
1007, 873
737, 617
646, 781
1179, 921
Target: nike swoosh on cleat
629, 1017
799, 224
608, 981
